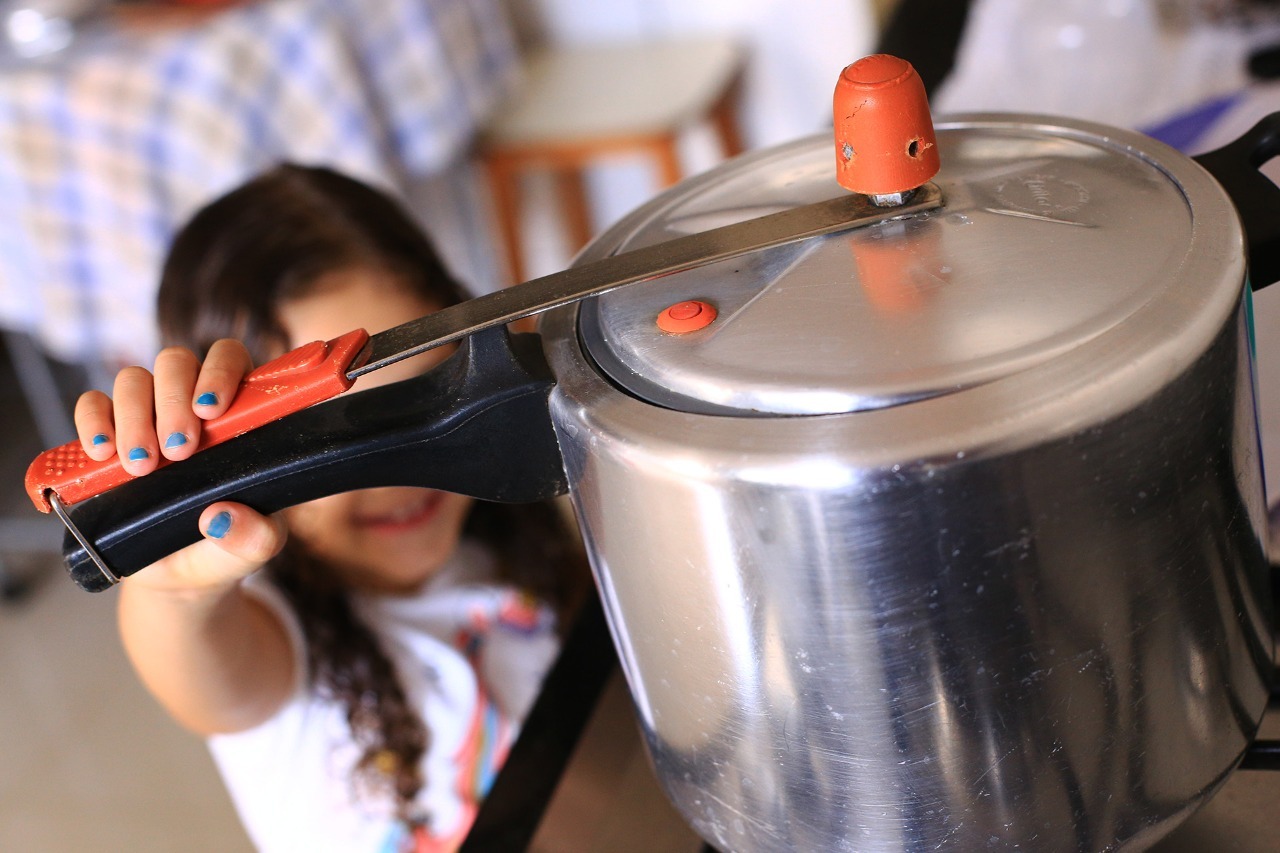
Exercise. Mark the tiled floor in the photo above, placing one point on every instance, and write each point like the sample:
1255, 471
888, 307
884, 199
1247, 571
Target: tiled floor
88, 761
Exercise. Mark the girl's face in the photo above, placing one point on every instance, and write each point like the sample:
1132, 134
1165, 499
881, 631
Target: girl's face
388, 539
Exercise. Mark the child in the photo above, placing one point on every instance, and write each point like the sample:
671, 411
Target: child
360, 691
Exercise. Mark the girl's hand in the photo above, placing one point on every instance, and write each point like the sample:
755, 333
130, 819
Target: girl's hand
161, 413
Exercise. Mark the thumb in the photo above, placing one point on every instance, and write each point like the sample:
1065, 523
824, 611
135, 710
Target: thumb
241, 533
238, 541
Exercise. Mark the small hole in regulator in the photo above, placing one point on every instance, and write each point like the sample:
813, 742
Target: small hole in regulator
913, 149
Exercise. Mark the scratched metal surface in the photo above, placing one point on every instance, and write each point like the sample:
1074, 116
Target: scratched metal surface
609, 801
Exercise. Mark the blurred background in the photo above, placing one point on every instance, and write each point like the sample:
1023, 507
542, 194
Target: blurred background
119, 119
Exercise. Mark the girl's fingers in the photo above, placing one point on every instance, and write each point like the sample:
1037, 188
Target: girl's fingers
177, 427
134, 404
95, 425
238, 541
226, 365
242, 534
160, 414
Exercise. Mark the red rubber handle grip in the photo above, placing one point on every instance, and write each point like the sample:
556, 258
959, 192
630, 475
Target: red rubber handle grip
299, 378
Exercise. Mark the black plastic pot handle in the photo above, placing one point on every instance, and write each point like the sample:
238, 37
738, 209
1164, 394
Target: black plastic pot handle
1235, 166
477, 424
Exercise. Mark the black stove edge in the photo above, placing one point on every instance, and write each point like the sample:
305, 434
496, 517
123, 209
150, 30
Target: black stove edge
514, 807
513, 810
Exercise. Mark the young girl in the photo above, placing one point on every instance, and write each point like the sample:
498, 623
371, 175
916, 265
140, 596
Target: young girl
362, 689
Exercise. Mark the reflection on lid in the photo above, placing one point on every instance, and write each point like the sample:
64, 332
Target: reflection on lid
1048, 238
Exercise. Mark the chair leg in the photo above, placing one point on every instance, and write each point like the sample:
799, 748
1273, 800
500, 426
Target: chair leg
666, 150
40, 387
504, 181
12, 588
27, 531
572, 189
724, 115
28, 535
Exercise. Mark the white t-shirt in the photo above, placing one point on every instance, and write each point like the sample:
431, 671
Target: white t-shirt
470, 655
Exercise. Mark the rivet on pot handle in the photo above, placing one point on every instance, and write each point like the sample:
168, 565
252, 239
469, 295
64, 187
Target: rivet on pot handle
1257, 199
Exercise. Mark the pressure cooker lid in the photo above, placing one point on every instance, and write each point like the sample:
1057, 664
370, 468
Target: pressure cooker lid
1050, 235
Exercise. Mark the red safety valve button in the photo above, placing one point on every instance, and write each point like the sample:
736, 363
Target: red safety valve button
685, 317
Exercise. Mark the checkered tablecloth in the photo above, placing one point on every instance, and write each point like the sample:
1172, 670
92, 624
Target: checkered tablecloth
106, 150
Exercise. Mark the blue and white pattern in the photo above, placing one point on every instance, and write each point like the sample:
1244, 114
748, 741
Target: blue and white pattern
106, 151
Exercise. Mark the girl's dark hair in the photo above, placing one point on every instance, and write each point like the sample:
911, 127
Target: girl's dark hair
227, 272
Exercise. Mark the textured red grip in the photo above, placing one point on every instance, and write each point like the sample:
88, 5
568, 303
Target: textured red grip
297, 379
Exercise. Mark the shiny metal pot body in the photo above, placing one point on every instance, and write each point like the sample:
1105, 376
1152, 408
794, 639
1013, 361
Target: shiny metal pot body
1024, 613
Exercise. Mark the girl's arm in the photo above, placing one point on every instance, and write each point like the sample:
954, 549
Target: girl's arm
217, 659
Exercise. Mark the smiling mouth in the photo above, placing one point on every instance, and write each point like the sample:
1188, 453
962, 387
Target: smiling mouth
408, 516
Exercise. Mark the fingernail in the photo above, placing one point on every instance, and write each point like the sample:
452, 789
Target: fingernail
219, 525
100, 438
138, 454
176, 439
208, 398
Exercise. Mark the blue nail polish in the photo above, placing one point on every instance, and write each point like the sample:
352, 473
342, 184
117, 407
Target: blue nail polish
219, 526
208, 398
176, 439
100, 438
138, 454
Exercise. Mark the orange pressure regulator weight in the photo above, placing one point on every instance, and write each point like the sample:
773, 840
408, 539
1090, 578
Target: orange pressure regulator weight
885, 145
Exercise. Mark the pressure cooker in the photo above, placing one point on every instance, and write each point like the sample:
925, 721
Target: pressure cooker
924, 516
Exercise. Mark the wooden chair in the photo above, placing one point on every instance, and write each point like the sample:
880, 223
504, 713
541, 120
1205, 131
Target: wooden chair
579, 105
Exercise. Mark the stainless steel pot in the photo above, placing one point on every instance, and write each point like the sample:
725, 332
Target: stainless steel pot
947, 533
